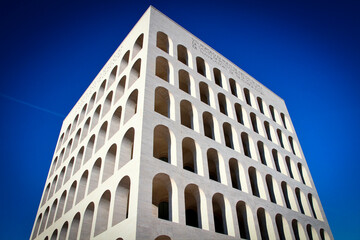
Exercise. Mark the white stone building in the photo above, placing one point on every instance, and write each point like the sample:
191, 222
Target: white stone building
173, 141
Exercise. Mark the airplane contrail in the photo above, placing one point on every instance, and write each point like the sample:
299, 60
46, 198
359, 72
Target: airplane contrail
31, 105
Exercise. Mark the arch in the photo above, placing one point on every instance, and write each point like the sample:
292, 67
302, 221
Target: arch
298, 230
76, 140
134, 72
67, 132
73, 233
54, 163
267, 130
124, 61
45, 195
94, 177
234, 173
186, 114
200, 66
85, 128
162, 196
82, 114
162, 69
103, 211
82, 187
270, 187
246, 144
43, 222
282, 227
115, 122
254, 122
131, 105
101, 136
272, 113
163, 237
121, 202
71, 197
184, 81
192, 206
229, 141
189, 155
219, 213
204, 93
36, 227
127, 147
52, 188
243, 215
96, 116
92, 102
120, 88
247, 96
324, 235
213, 165
74, 124
217, 77
260, 103
265, 224
208, 124
52, 213
78, 160
315, 207
162, 143
61, 206
112, 76
289, 197
89, 149
288, 164
54, 235
182, 54
283, 119
254, 181
87, 222
107, 103
162, 41
222, 103
63, 231
312, 234
101, 90
260, 146
304, 175
233, 88
279, 133
109, 163
61, 158
239, 114
276, 160
60, 141
138, 45
294, 150
162, 101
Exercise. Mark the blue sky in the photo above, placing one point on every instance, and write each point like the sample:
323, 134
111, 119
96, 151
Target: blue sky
307, 52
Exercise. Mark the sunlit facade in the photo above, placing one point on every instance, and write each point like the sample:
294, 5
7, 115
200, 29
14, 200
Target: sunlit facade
173, 141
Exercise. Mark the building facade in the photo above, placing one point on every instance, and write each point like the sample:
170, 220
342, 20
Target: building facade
173, 141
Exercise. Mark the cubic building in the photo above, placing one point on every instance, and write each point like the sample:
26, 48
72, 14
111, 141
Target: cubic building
173, 141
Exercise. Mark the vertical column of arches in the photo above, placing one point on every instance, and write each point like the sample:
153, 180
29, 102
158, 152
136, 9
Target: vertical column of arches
109, 163
94, 176
131, 106
121, 201
162, 197
87, 222
120, 89
127, 147
138, 45
134, 72
115, 122
103, 211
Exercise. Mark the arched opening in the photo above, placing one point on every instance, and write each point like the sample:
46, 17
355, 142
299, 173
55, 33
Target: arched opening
213, 165
280, 138
94, 177
89, 149
247, 96
254, 122
107, 103
189, 155
124, 62
254, 182
46, 193
219, 213
270, 187
186, 114
54, 235
276, 159
260, 146
162, 41
162, 69
288, 164
272, 112
208, 125
263, 225
280, 226
292, 145
242, 216
204, 93
131, 105
304, 175
229, 142
78, 160
87, 222
64, 230
283, 119
73, 234
184, 81
267, 129
52, 213
127, 147
115, 122
82, 114
233, 87
135, 72
112, 76
36, 228
101, 90
76, 140
246, 144
74, 124
239, 115
102, 217
109, 163
217, 77
163, 237
52, 188
162, 143
234, 173
60, 179
121, 202
82, 187
43, 222
260, 103
222, 103
315, 207
182, 54
96, 117
138, 45
192, 206
289, 198
71, 197
298, 197
92, 102
120, 88
86, 128
200, 66
101, 136
61, 206
162, 196
162, 101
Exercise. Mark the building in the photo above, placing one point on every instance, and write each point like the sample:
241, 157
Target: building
173, 141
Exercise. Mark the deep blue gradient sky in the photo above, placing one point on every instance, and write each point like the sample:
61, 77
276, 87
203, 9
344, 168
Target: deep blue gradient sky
307, 52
